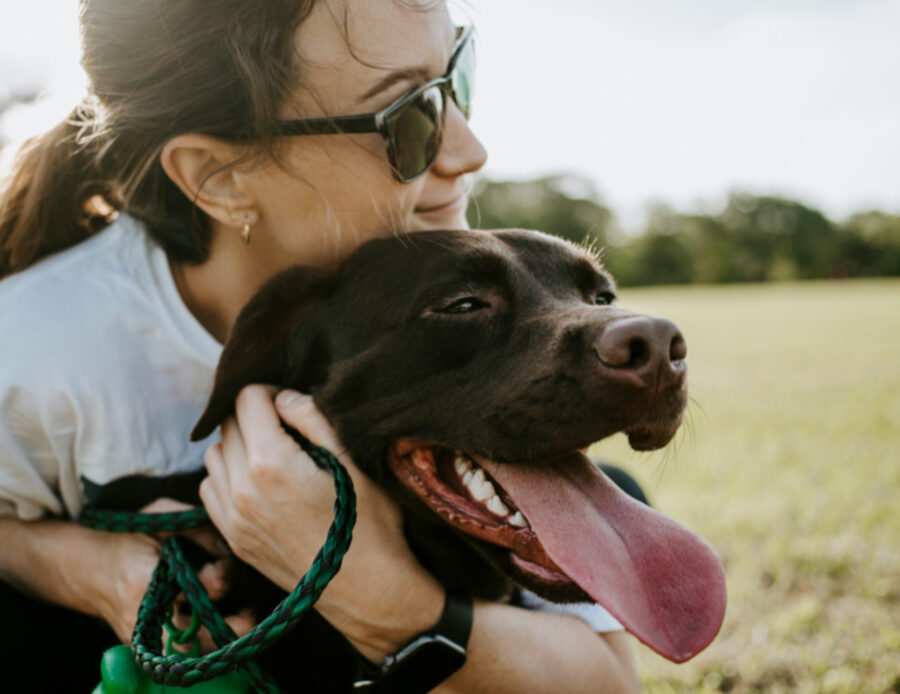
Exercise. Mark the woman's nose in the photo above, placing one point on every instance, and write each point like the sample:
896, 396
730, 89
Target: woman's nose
461, 152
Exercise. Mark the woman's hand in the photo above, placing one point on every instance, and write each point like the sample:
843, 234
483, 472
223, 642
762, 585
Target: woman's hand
273, 505
131, 559
128, 562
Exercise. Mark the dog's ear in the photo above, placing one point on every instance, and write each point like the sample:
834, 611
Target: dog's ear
256, 350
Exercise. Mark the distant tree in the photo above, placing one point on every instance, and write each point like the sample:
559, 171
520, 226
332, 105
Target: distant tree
713, 251
776, 238
753, 239
870, 245
565, 205
654, 258
659, 255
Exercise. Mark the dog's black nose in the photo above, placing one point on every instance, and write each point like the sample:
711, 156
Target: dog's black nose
653, 349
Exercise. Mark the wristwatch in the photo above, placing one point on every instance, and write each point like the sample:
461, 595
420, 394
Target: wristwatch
427, 660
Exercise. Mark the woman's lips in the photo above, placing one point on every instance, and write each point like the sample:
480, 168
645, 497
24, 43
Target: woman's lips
450, 207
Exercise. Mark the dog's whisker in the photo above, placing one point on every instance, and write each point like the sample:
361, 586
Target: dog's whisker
660, 469
695, 404
691, 430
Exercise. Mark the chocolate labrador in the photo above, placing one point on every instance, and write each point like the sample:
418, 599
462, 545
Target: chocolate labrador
467, 372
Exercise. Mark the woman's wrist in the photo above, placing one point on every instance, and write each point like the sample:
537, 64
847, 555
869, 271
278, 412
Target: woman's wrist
380, 619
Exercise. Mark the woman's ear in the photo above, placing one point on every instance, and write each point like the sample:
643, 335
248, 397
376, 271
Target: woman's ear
201, 166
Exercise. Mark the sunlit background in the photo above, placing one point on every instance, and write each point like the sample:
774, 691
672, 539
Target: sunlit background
681, 101
651, 100
705, 142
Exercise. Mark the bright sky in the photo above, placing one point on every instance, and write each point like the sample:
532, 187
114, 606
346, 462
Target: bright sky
652, 99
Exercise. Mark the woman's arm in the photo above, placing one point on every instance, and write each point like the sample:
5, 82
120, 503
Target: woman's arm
516, 650
98, 573
273, 506
102, 574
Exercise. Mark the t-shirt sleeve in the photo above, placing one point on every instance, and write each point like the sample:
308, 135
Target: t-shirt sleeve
29, 462
597, 617
37, 429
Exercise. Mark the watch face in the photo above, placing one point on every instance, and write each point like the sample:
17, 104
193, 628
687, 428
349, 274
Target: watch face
422, 665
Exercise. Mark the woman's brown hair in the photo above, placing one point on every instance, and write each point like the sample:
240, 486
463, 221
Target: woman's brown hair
156, 69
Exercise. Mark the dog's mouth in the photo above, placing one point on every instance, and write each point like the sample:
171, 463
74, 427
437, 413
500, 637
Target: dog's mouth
466, 496
569, 529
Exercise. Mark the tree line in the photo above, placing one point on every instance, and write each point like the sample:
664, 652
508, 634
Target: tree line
755, 238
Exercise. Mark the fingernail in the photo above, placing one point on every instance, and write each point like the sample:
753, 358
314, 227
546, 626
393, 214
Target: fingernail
286, 397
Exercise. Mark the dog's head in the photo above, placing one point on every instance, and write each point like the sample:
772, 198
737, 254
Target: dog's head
466, 372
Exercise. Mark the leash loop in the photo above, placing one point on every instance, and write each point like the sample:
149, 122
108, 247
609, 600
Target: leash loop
173, 575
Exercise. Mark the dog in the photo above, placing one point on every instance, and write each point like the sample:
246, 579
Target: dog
467, 372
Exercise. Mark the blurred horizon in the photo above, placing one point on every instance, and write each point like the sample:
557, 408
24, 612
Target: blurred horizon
684, 103
651, 103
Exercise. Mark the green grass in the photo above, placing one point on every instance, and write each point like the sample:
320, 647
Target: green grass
789, 465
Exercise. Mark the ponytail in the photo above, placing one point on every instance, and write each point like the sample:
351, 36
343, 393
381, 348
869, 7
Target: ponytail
54, 197
219, 67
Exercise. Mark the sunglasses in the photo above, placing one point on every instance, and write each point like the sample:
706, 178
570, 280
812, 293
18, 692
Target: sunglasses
412, 126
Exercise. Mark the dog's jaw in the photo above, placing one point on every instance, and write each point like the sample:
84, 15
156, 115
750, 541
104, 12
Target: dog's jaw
652, 435
584, 539
458, 490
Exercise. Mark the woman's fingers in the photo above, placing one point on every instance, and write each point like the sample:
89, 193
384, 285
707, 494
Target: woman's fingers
216, 485
232, 447
300, 412
215, 495
257, 421
165, 505
242, 622
214, 577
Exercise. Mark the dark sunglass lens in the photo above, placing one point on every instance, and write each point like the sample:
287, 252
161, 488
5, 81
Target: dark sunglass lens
463, 77
414, 133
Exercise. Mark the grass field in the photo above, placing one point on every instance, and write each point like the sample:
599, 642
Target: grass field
789, 465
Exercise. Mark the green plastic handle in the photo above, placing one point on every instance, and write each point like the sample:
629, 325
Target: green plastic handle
121, 675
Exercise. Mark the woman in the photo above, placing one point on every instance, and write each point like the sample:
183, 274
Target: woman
116, 337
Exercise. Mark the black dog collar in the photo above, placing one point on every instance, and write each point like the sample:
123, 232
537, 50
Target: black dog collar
427, 660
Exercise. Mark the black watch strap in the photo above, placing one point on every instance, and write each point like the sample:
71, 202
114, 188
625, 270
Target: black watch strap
427, 660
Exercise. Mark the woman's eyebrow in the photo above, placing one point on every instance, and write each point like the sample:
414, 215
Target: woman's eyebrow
416, 74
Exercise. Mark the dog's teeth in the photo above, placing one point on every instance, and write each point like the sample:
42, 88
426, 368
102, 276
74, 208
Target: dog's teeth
518, 520
461, 464
483, 491
480, 488
497, 507
467, 477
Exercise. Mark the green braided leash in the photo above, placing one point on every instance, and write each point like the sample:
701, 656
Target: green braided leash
173, 575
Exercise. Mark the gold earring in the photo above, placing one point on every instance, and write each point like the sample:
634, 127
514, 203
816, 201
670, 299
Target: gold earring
245, 233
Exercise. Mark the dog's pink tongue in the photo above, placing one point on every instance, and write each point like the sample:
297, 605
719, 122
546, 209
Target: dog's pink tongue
660, 580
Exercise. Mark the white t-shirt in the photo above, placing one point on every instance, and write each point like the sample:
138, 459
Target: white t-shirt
103, 373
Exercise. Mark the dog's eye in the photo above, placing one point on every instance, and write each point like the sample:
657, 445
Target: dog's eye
465, 305
604, 298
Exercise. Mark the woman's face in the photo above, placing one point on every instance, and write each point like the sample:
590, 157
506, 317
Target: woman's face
337, 190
